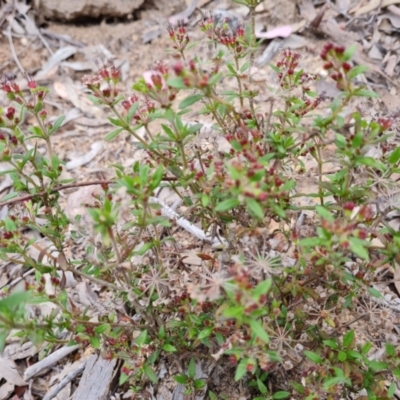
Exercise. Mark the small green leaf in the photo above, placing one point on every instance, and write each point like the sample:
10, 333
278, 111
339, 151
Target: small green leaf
111, 135
261, 387
148, 371
123, 378
14, 300
169, 348
349, 52
309, 242
331, 343
348, 339
10, 224
199, 384
258, 329
206, 332
182, 379
391, 390
3, 336
366, 93
142, 338
339, 380
192, 368
226, 205
357, 246
241, 369
342, 356
95, 342
190, 100
156, 178
176, 83
255, 208
281, 395
56, 124
324, 213
262, 288
102, 328
376, 293
245, 66
394, 156
357, 70
377, 366
314, 357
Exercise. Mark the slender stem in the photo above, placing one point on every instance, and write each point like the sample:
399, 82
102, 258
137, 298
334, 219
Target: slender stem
252, 9
239, 82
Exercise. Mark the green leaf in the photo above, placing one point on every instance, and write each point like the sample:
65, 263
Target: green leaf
390, 349
314, 357
331, 343
394, 156
258, 329
182, 379
13, 300
391, 390
309, 242
148, 371
190, 100
227, 205
255, 208
357, 246
371, 162
241, 369
376, 293
102, 328
245, 66
339, 380
10, 224
262, 288
56, 124
3, 337
342, 356
94, 99
261, 387
144, 248
357, 70
215, 78
111, 135
324, 213
142, 338
281, 395
233, 312
157, 177
348, 339
169, 348
95, 342
123, 378
176, 83
199, 384
132, 112
205, 332
192, 368
349, 52
366, 93
377, 366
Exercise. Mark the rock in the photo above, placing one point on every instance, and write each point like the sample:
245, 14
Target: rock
77, 9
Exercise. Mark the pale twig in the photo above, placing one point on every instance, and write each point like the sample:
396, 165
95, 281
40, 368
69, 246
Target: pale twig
185, 224
14, 54
67, 379
48, 361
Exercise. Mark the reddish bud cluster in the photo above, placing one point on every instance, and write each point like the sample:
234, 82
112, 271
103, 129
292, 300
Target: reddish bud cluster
331, 49
179, 36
